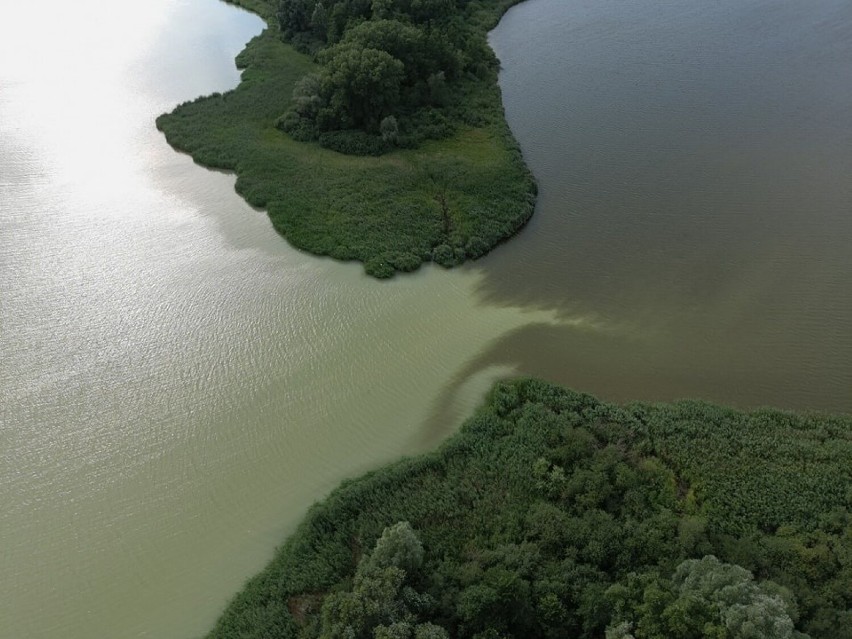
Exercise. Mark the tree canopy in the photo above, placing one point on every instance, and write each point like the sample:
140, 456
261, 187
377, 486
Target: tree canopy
407, 59
360, 87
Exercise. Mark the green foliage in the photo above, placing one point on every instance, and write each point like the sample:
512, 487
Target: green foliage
389, 128
398, 546
351, 141
554, 515
444, 255
402, 41
387, 212
359, 87
476, 247
380, 268
390, 57
706, 598
430, 631
381, 603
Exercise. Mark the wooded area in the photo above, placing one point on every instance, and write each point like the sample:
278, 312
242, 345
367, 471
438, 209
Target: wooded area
554, 515
393, 72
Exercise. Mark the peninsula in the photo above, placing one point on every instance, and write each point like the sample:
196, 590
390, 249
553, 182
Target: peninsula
370, 131
554, 515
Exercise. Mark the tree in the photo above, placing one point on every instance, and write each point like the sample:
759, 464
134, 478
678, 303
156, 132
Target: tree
389, 128
747, 610
360, 86
319, 21
399, 547
430, 631
294, 16
428, 10
381, 8
706, 599
620, 631
306, 98
380, 604
402, 41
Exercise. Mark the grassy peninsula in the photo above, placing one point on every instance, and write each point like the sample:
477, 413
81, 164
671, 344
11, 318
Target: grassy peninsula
446, 181
552, 514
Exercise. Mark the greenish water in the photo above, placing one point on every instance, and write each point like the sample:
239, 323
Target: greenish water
177, 384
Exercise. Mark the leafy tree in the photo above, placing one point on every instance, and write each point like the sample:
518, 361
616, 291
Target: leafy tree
294, 16
360, 86
399, 547
404, 42
319, 21
381, 604
427, 10
306, 96
382, 9
430, 631
620, 631
707, 599
389, 128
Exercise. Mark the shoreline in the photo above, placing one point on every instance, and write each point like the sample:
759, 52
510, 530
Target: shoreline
712, 502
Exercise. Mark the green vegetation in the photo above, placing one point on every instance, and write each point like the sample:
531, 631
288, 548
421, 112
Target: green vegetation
551, 514
394, 72
461, 191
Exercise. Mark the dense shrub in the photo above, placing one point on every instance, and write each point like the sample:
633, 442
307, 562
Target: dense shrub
380, 268
443, 254
353, 142
404, 262
476, 247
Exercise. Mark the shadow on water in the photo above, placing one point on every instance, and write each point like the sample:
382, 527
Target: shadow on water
623, 367
693, 162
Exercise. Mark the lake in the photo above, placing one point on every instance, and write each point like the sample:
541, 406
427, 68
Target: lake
177, 384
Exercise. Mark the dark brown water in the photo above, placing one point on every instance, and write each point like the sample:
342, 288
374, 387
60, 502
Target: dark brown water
695, 166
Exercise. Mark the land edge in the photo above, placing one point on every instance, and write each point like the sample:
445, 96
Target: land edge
503, 399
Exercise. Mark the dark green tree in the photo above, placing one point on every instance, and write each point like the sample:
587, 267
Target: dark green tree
294, 16
359, 87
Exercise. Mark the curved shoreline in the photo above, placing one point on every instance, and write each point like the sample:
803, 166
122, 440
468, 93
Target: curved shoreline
449, 200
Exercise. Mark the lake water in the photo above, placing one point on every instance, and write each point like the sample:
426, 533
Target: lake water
177, 384
694, 161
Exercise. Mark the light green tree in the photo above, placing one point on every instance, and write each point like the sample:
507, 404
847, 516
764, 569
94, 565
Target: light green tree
705, 599
399, 547
381, 605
